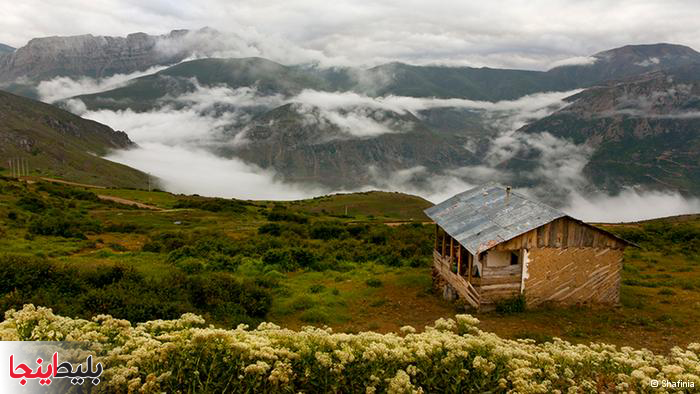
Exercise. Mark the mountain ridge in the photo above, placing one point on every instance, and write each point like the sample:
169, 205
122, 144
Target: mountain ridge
56, 143
643, 129
87, 55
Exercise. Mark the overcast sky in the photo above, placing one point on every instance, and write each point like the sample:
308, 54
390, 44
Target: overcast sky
525, 34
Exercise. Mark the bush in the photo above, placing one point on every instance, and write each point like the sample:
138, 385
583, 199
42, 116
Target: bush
32, 203
117, 247
60, 224
511, 305
278, 215
212, 204
302, 302
326, 231
190, 265
270, 228
304, 257
221, 289
280, 257
392, 260
126, 228
373, 282
314, 315
666, 291
317, 288
26, 273
124, 293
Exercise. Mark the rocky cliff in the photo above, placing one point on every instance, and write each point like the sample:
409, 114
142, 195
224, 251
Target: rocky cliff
88, 55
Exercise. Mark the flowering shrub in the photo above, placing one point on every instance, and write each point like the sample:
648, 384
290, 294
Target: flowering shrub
453, 355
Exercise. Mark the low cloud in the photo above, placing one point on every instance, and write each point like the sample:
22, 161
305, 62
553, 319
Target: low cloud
63, 87
174, 146
529, 106
652, 61
205, 98
350, 110
574, 61
418, 181
184, 127
630, 205
195, 171
359, 122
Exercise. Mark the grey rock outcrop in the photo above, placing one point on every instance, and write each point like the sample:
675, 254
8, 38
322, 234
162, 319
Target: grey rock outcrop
88, 55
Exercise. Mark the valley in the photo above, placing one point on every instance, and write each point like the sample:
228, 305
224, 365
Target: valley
204, 210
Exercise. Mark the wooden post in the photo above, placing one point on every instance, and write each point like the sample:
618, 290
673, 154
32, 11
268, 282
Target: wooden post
444, 243
470, 267
437, 232
452, 252
459, 259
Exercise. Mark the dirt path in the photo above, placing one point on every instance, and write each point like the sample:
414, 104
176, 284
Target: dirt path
72, 183
128, 202
102, 196
394, 224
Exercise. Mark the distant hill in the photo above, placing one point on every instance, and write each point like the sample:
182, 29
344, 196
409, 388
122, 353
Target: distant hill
301, 146
644, 130
624, 62
487, 84
102, 56
56, 143
267, 76
299, 150
6, 49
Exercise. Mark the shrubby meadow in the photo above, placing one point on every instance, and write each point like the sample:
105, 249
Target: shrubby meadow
226, 275
452, 356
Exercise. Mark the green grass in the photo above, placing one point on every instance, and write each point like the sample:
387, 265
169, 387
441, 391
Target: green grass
366, 206
347, 283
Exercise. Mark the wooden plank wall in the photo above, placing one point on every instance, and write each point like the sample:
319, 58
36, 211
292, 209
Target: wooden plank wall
499, 283
562, 233
573, 275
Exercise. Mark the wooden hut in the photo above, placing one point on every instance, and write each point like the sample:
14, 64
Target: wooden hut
493, 244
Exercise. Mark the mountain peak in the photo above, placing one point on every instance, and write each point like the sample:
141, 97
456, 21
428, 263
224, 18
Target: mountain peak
649, 54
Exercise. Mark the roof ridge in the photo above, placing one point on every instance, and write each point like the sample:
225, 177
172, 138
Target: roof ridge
476, 217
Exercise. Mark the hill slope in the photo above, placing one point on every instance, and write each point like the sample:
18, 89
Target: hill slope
59, 144
624, 62
303, 146
643, 129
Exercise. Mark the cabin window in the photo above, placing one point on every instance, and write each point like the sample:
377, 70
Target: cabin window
514, 258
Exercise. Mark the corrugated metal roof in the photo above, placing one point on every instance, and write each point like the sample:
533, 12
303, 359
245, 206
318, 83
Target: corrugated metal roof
480, 218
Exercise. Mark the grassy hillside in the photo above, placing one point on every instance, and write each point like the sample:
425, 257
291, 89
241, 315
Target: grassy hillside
304, 262
56, 143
